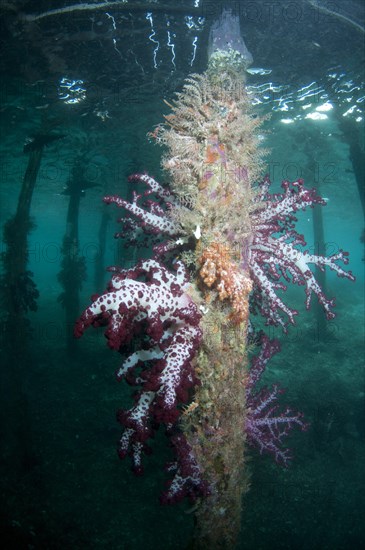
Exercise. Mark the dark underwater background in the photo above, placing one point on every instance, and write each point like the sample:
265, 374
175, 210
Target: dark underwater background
99, 77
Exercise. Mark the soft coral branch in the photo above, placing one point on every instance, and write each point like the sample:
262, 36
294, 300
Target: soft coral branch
273, 252
160, 306
266, 427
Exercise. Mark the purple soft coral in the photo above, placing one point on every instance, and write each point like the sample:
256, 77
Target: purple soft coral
265, 427
273, 252
188, 477
170, 320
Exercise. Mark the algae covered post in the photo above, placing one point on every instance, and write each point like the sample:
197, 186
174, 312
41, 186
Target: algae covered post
221, 247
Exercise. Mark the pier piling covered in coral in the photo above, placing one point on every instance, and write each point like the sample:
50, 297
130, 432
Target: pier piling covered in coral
222, 247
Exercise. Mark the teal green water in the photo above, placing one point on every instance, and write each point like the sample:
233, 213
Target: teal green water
100, 77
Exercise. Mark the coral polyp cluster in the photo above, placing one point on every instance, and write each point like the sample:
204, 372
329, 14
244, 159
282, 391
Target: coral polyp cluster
220, 272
